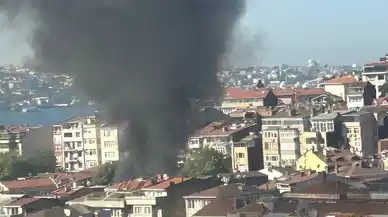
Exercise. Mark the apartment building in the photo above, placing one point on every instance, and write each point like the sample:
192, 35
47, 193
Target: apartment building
359, 94
281, 146
339, 85
288, 118
237, 98
109, 143
77, 143
376, 73
361, 130
9, 141
331, 129
247, 154
310, 141
220, 136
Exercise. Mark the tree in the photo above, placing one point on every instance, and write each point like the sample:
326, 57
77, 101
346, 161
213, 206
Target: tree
13, 166
206, 162
384, 90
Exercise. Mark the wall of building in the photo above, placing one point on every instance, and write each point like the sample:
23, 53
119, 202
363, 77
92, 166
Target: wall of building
37, 140
336, 89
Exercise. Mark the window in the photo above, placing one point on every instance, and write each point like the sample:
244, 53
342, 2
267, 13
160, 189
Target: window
79, 144
190, 204
147, 210
138, 209
356, 130
92, 141
239, 155
274, 158
77, 134
380, 77
91, 152
58, 147
116, 213
109, 144
110, 154
91, 163
13, 211
107, 132
67, 135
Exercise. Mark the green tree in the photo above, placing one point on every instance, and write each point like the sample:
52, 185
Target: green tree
13, 166
383, 90
206, 162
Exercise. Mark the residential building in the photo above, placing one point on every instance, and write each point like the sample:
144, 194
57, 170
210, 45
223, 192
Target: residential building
237, 98
274, 173
247, 154
310, 140
288, 118
77, 143
28, 205
361, 132
360, 94
281, 146
376, 73
220, 136
200, 202
109, 143
339, 85
312, 160
9, 141
145, 198
331, 129
36, 140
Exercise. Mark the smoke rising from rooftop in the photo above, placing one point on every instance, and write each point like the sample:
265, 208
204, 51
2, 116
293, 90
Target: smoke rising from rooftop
143, 61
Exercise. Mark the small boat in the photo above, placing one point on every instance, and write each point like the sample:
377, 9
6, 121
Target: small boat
30, 109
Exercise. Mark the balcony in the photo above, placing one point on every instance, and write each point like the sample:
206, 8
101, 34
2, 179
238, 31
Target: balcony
73, 159
140, 200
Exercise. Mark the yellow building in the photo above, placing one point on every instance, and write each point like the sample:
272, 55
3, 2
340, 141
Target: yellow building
308, 141
310, 160
240, 159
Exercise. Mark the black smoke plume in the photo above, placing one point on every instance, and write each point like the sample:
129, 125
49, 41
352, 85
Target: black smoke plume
143, 61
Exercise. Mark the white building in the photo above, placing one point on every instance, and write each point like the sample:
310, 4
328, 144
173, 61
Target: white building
109, 143
376, 73
77, 143
361, 133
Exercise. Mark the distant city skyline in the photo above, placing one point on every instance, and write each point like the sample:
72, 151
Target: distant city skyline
331, 31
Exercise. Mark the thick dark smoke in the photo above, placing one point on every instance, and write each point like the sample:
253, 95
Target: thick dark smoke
144, 61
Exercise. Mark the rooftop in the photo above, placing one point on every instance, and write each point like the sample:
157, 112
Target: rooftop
347, 79
221, 129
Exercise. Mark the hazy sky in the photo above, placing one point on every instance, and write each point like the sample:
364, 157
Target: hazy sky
293, 31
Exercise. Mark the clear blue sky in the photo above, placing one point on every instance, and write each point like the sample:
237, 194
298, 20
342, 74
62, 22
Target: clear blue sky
293, 31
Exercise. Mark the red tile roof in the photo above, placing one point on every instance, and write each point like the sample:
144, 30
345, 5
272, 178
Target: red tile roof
217, 128
29, 183
135, 184
166, 183
347, 79
238, 93
310, 91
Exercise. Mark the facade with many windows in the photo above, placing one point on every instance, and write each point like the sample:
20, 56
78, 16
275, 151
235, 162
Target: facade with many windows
82, 142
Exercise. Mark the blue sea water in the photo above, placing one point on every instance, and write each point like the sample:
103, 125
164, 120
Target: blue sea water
44, 117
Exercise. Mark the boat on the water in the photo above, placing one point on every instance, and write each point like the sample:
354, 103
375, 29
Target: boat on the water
30, 109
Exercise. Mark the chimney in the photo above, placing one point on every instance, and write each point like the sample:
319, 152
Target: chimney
313, 112
225, 129
336, 169
324, 176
